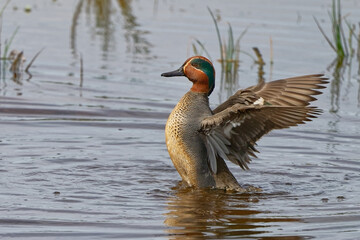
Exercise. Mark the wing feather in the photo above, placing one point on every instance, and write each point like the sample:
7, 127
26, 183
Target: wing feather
211, 155
240, 121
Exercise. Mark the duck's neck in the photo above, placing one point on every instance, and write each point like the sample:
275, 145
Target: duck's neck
200, 87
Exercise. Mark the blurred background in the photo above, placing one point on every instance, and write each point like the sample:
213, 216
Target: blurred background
83, 110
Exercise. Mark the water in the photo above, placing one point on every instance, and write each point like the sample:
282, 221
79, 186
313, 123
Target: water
91, 162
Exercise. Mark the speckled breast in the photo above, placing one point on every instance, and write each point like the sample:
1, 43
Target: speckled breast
184, 143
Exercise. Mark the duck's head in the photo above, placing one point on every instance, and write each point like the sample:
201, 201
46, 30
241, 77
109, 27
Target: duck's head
198, 70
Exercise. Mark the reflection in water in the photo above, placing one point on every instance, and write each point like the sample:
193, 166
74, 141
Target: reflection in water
342, 64
194, 214
358, 61
340, 67
102, 11
137, 43
358, 96
74, 24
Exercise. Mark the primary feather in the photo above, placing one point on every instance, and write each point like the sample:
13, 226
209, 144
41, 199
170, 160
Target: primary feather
251, 113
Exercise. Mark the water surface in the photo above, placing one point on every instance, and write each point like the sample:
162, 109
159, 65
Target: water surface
91, 162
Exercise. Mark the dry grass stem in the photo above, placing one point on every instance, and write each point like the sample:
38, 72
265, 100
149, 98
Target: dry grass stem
32, 61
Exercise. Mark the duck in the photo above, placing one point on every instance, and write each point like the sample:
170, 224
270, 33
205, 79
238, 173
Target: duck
201, 140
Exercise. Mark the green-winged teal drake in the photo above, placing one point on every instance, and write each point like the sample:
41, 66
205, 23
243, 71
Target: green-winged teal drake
200, 140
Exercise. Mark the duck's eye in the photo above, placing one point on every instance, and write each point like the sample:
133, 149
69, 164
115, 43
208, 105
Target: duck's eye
195, 65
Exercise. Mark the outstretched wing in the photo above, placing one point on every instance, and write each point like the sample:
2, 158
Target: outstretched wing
249, 114
296, 91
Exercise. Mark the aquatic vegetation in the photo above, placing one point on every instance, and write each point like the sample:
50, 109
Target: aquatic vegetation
200, 51
3, 8
16, 58
338, 43
341, 43
229, 56
31, 62
9, 42
1, 12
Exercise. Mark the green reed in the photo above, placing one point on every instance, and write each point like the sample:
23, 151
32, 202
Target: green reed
341, 44
341, 40
8, 43
353, 35
229, 54
1, 12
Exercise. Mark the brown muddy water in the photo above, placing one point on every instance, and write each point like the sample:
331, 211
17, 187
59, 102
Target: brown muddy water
91, 162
